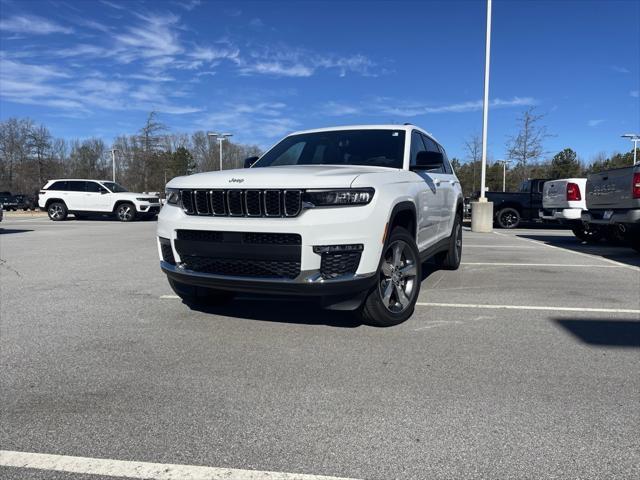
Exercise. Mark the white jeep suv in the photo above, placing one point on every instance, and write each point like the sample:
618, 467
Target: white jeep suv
87, 197
346, 215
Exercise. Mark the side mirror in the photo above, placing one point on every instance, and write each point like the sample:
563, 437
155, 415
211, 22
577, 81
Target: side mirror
248, 162
428, 160
103, 192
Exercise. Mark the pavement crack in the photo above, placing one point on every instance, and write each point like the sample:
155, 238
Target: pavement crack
5, 265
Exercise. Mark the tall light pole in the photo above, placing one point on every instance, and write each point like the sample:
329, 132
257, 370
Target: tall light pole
482, 210
635, 138
113, 163
504, 173
485, 104
221, 137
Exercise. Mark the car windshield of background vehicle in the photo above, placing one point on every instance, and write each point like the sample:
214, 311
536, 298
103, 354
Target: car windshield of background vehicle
378, 148
115, 187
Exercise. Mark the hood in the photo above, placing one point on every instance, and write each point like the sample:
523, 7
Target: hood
296, 176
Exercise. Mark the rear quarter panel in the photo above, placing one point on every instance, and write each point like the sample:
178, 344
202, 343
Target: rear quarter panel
612, 189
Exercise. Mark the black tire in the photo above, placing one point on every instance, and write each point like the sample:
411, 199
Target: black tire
126, 212
200, 296
395, 294
587, 233
635, 242
450, 260
57, 211
508, 218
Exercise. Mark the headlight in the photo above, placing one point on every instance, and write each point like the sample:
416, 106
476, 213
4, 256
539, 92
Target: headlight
173, 196
347, 196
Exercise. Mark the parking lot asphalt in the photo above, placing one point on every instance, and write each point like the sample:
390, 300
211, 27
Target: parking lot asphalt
524, 363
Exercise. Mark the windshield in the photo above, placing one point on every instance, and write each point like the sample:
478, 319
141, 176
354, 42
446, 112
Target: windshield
378, 148
114, 187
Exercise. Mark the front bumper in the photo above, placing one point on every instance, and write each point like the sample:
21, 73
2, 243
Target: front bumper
307, 284
150, 208
625, 216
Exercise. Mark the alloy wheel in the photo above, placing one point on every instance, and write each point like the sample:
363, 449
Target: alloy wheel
124, 213
55, 211
398, 276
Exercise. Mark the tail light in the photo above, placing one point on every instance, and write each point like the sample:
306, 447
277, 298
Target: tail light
573, 192
635, 189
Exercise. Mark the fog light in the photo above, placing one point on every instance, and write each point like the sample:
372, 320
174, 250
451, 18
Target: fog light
320, 249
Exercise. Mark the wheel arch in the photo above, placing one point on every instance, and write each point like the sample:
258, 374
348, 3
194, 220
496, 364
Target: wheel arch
120, 202
53, 200
404, 215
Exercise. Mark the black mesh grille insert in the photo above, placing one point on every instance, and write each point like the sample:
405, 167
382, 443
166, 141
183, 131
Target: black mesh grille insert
201, 202
199, 235
252, 202
243, 268
334, 265
272, 203
218, 203
187, 201
292, 202
272, 238
234, 203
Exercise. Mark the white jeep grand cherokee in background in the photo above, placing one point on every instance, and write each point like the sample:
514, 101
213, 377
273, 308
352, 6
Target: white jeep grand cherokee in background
346, 215
86, 197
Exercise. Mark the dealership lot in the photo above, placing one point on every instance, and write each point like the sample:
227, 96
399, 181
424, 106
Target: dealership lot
522, 364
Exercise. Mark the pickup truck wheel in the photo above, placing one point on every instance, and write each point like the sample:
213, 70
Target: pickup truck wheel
126, 212
508, 218
394, 297
450, 259
57, 211
192, 295
587, 233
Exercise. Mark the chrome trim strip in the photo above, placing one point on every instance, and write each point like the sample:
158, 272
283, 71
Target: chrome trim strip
306, 276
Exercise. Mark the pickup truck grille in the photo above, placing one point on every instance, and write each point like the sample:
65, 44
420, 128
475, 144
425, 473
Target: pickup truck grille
242, 203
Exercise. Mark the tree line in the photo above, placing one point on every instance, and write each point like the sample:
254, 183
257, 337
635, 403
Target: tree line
526, 158
147, 159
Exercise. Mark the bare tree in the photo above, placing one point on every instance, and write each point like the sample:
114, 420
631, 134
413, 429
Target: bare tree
473, 146
527, 145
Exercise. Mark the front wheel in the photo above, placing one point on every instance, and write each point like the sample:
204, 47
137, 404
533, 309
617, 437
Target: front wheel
57, 211
508, 218
394, 297
126, 212
200, 296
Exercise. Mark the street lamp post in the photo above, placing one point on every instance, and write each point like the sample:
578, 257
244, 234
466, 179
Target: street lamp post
113, 163
221, 137
504, 173
635, 138
482, 210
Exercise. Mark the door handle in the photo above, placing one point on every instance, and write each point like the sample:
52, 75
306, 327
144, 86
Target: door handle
436, 181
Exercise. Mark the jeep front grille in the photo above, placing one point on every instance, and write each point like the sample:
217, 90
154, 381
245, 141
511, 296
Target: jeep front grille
242, 203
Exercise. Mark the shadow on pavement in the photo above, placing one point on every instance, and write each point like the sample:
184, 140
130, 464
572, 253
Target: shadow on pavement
286, 309
619, 253
7, 231
606, 333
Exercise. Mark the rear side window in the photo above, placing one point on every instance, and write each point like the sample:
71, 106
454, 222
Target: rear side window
433, 147
447, 166
60, 186
76, 186
93, 187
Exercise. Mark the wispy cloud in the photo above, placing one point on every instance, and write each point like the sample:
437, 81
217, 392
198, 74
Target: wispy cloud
188, 4
391, 107
634, 93
112, 5
595, 123
32, 25
619, 69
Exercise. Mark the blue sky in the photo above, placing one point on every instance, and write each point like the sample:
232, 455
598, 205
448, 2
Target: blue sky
263, 69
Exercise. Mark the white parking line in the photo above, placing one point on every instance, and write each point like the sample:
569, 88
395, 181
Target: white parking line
169, 296
498, 264
498, 246
528, 307
607, 260
155, 471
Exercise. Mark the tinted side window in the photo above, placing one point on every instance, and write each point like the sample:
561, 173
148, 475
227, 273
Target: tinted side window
75, 186
416, 146
430, 144
447, 166
61, 186
93, 187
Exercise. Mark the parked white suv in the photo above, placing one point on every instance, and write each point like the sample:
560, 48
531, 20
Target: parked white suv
83, 197
345, 214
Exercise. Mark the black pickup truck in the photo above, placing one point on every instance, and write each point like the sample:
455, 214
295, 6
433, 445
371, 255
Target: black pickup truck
8, 201
511, 208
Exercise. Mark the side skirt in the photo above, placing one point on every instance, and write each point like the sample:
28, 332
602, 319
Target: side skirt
440, 246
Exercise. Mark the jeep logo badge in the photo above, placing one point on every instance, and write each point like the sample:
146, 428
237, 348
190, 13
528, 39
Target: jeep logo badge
236, 180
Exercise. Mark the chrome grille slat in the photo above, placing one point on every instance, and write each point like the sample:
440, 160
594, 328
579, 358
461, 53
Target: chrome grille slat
242, 203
